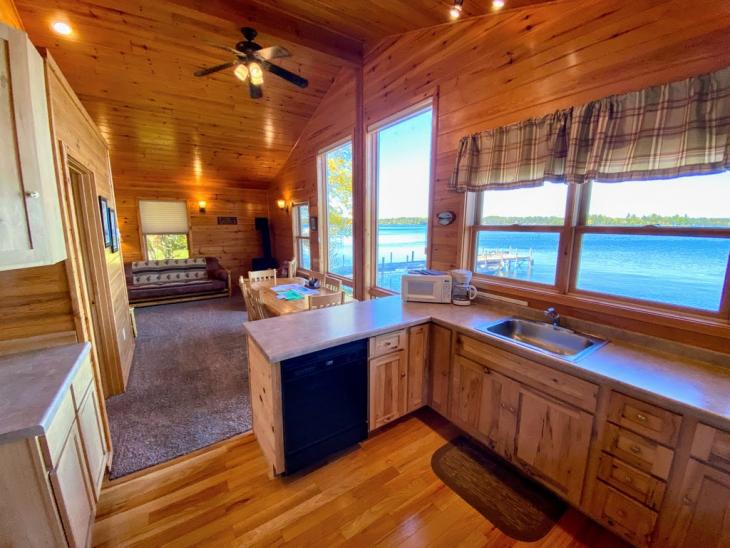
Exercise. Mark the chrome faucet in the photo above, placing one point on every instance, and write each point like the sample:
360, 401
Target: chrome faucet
553, 316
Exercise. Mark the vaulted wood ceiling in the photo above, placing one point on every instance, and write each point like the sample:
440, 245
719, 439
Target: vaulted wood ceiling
131, 64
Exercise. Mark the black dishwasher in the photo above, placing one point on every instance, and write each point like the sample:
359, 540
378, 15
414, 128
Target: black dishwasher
324, 403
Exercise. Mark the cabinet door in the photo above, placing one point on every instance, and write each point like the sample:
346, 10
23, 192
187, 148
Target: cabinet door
703, 518
92, 435
466, 393
440, 364
73, 491
387, 388
417, 349
552, 442
497, 425
31, 233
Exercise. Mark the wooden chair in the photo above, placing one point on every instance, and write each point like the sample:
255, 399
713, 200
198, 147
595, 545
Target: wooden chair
256, 276
332, 284
251, 311
324, 301
258, 304
292, 268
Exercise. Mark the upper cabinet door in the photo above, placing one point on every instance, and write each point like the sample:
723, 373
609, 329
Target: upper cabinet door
31, 232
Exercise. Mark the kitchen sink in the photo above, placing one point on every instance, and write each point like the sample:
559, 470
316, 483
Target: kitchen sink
544, 337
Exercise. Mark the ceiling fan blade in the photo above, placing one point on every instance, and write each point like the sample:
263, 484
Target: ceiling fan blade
226, 48
274, 52
211, 70
255, 91
286, 75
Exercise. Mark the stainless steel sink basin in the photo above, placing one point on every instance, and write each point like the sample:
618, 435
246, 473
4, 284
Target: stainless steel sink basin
544, 337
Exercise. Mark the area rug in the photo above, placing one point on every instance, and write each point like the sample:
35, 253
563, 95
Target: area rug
517, 506
188, 387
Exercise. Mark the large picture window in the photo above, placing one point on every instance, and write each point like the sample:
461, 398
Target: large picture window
402, 178
164, 227
335, 180
300, 222
664, 242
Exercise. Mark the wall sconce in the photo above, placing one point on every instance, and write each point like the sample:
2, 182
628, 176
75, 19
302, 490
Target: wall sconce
201, 206
281, 204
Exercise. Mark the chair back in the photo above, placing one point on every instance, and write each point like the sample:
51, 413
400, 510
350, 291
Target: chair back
258, 304
251, 311
292, 268
333, 284
256, 276
325, 301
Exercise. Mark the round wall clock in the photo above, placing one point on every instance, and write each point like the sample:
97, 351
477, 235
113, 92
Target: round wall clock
445, 217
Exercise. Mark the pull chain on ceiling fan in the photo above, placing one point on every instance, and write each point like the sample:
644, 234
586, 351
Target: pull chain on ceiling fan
250, 62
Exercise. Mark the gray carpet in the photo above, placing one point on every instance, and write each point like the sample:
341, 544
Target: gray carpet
188, 387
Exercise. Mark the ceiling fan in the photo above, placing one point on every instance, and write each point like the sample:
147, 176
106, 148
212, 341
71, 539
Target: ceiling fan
251, 61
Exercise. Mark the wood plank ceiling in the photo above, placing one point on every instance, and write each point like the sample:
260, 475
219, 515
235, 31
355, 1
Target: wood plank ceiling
131, 64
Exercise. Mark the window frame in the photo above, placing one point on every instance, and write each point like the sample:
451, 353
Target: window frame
571, 232
297, 237
371, 143
143, 235
323, 228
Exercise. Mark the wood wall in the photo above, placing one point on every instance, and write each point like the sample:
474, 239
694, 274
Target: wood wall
233, 245
333, 121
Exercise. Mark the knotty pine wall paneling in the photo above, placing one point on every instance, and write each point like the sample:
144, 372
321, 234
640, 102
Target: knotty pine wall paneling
333, 121
507, 67
233, 245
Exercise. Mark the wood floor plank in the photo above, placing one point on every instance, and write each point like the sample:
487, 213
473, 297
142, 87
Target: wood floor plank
383, 493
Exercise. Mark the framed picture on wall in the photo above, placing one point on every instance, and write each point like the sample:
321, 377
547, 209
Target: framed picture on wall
106, 229
113, 230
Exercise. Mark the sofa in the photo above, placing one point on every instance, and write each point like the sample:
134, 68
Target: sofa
175, 280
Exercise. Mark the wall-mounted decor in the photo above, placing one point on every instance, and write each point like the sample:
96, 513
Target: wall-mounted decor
227, 220
313, 224
113, 230
104, 212
445, 217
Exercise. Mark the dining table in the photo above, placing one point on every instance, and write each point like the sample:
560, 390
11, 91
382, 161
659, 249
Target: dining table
280, 307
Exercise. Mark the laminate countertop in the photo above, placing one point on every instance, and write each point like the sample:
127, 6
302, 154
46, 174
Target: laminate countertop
677, 376
32, 386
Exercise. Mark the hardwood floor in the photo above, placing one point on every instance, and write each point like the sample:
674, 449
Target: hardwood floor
381, 494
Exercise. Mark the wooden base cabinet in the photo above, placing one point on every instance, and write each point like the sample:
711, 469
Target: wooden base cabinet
439, 367
387, 388
417, 367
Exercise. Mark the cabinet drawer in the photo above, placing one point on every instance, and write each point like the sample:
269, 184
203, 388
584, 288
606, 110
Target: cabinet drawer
643, 418
81, 382
560, 385
644, 454
712, 446
627, 479
623, 515
54, 440
388, 342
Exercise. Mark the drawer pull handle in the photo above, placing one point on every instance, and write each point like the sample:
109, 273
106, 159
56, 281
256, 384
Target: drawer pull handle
641, 417
635, 449
33, 194
621, 513
628, 479
686, 500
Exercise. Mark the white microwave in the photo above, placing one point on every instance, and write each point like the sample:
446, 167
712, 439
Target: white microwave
426, 288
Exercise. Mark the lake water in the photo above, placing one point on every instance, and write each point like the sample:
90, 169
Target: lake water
682, 271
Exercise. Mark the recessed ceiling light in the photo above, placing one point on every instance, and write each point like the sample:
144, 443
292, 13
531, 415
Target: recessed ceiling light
497, 4
455, 10
61, 27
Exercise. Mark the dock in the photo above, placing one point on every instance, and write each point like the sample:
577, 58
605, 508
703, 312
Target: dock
503, 260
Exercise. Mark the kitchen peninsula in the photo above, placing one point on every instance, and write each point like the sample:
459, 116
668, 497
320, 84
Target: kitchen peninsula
625, 434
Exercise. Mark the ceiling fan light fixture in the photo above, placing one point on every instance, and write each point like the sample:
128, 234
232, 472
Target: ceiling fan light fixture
256, 73
455, 11
241, 72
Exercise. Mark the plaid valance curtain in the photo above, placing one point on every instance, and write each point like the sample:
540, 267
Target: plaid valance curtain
681, 128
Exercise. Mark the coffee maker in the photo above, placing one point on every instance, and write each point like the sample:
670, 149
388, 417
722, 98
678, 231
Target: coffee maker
462, 292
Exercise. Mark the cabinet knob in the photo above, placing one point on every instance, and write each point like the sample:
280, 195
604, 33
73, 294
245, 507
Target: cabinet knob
686, 500
628, 479
33, 194
635, 449
640, 417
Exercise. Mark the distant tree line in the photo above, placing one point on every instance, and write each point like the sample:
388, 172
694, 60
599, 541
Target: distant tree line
600, 220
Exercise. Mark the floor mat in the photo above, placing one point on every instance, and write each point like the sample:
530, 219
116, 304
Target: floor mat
516, 505
188, 387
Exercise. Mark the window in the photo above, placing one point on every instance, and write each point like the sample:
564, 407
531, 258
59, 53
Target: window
402, 171
663, 242
335, 179
164, 226
300, 222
